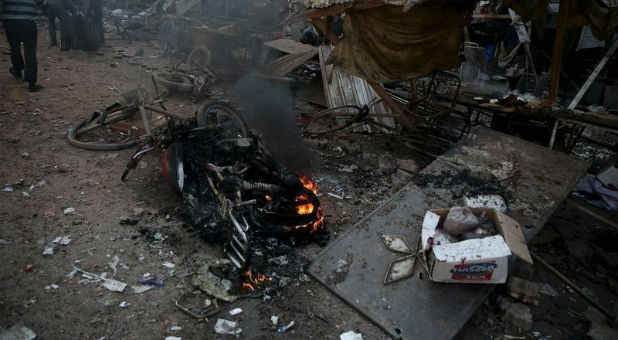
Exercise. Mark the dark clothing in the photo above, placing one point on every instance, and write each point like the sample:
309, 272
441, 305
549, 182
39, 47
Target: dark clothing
57, 9
20, 31
94, 10
20, 9
51, 20
97, 17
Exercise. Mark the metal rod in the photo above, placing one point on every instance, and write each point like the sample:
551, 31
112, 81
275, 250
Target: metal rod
566, 280
164, 112
558, 50
145, 121
553, 134
593, 76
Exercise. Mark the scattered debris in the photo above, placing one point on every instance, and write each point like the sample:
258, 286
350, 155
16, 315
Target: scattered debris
235, 311
516, 314
609, 177
114, 264
274, 319
212, 284
173, 338
285, 328
227, 327
64, 240
49, 250
595, 192
387, 164
486, 201
599, 328
348, 168
350, 335
195, 305
17, 333
124, 304
129, 220
52, 286
340, 197
503, 170
29, 267
114, 285
69, 211
141, 288
110, 284
547, 289
408, 165
523, 290
170, 267
148, 279
175, 328
8, 189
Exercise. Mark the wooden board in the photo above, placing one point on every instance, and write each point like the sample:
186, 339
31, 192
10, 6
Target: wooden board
353, 266
287, 63
290, 46
344, 89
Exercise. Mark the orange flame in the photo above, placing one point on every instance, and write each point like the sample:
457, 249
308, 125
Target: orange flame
254, 281
304, 209
268, 198
309, 184
317, 224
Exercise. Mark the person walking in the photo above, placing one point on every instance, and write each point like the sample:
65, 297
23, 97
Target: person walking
19, 18
57, 9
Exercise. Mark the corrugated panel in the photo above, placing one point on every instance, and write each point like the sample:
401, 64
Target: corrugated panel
328, 3
344, 89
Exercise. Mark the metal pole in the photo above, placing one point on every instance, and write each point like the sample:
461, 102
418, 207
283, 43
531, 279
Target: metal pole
572, 285
558, 51
593, 76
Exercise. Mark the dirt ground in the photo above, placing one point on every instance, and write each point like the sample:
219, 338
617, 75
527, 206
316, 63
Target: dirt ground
48, 175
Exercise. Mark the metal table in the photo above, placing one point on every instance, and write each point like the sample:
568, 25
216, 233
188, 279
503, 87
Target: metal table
354, 265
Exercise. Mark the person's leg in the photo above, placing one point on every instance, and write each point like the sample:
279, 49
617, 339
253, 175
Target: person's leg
51, 18
98, 19
30, 41
12, 36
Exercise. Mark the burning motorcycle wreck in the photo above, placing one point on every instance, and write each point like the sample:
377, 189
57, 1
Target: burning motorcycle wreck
236, 194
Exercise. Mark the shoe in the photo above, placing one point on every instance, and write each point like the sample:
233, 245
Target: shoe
15, 73
34, 87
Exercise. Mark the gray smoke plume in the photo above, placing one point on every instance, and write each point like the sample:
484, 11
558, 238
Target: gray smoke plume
268, 107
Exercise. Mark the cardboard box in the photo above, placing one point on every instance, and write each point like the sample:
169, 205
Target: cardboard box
483, 260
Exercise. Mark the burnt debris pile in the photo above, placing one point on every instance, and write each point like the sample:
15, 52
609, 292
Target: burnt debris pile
237, 194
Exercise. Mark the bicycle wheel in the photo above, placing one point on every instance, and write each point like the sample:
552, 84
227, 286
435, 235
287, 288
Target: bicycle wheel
92, 134
333, 119
222, 116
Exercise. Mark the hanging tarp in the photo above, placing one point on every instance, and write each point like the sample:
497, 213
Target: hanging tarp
601, 15
386, 44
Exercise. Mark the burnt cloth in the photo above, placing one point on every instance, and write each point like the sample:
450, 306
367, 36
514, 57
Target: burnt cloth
603, 19
386, 44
